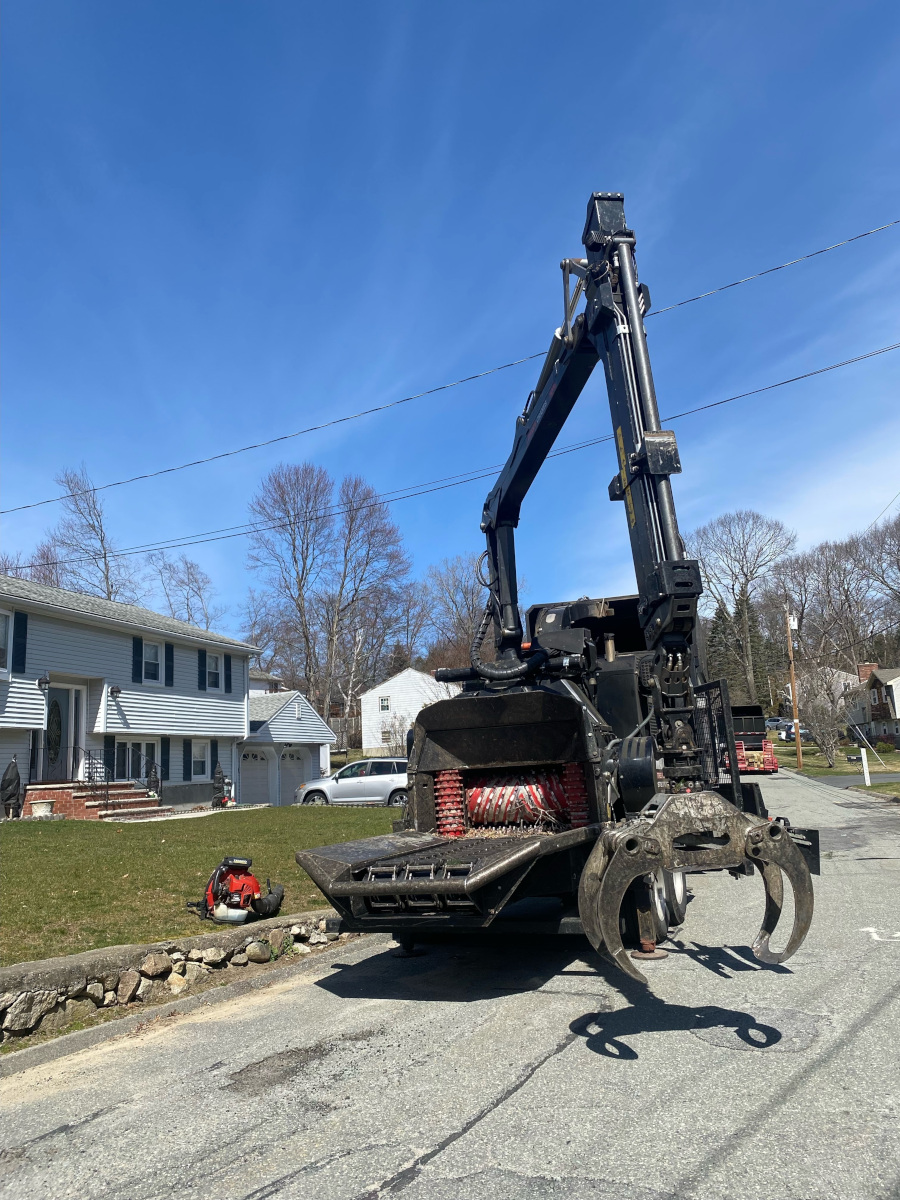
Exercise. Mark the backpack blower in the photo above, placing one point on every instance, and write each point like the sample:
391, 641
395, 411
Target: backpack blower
233, 893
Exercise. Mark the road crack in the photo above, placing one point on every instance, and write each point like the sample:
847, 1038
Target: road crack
403, 1178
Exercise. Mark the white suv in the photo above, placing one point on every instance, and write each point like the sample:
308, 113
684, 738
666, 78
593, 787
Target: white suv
369, 781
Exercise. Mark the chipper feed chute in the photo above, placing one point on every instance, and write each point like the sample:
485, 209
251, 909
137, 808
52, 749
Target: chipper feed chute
590, 769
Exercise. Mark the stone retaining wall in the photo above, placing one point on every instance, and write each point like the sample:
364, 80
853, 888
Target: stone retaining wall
51, 993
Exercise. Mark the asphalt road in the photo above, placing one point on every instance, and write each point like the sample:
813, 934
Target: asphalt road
508, 1074
845, 781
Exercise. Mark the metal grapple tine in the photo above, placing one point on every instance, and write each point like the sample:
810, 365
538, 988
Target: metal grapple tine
602, 891
772, 882
773, 851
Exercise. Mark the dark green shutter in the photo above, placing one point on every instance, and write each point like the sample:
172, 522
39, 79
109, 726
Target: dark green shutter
201, 670
19, 642
109, 753
227, 672
187, 765
213, 757
137, 660
164, 752
170, 664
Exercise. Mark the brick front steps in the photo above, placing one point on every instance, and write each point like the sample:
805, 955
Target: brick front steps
136, 814
81, 802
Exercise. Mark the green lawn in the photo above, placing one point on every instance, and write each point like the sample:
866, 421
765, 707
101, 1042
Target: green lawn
890, 789
67, 886
815, 763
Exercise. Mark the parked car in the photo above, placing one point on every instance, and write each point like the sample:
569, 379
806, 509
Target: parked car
787, 735
369, 781
775, 722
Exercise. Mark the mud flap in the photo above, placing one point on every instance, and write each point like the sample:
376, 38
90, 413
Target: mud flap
694, 832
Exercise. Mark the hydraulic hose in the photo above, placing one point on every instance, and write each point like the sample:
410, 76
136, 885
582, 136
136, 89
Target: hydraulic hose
501, 671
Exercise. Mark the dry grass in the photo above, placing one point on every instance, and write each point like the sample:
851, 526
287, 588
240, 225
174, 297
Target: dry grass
67, 886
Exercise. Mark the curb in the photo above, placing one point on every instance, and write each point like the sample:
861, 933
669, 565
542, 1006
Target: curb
71, 1043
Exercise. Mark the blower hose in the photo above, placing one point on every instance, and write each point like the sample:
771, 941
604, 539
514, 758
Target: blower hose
268, 906
498, 671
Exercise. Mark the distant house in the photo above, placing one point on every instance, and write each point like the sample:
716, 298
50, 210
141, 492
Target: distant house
877, 712
92, 688
288, 744
390, 709
263, 682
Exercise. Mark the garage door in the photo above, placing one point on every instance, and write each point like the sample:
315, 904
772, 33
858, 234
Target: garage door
254, 778
294, 771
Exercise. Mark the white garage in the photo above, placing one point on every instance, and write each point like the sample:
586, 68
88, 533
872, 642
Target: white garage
254, 777
288, 744
296, 768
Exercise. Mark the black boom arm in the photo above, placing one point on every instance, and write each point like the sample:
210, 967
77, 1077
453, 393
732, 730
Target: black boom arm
611, 330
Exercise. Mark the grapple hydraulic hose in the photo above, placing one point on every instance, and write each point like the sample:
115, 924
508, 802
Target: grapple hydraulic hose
693, 831
506, 670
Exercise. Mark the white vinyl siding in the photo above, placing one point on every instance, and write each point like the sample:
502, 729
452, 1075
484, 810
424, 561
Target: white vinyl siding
93, 655
406, 694
22, 703
298, 721
15, 742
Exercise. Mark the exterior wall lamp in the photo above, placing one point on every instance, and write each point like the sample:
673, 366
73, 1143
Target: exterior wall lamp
44, 682
115, 691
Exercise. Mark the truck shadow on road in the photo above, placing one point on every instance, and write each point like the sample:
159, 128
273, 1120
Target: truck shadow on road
603, 1031
466, 973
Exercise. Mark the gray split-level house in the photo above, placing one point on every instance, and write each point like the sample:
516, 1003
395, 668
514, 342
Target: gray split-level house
92, 686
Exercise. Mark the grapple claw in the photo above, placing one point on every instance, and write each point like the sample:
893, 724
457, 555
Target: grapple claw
614, 864
697, 831
773, 851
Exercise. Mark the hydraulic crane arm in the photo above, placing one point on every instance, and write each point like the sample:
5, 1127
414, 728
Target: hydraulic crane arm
610, 330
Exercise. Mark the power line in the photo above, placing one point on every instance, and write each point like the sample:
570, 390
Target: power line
428, 392
448, 481
883, 511
864, 641
772, 270
284, 437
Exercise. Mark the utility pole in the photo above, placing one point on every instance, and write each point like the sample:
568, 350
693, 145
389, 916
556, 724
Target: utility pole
790, 642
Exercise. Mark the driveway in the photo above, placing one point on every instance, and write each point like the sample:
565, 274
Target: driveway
520, 1072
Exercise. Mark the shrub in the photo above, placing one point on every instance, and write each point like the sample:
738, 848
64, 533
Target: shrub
885, 747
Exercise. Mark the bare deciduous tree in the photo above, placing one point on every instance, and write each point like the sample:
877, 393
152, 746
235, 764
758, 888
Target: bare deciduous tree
736, 552
825, 696
80, 554
336, 580
188, 590
456, 600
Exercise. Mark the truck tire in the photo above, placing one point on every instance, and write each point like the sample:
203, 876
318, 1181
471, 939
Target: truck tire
676, 893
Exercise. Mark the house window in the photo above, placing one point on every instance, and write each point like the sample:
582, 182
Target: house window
5, 626
152, 656
386, 737
200, 760
384, 703
212, 672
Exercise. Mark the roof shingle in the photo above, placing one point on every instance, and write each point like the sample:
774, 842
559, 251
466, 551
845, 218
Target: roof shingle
93, 608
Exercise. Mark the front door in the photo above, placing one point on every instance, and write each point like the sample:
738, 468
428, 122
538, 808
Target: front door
57, 746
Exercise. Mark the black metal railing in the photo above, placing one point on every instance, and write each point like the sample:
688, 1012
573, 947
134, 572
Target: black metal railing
71, 764
96, 777
56, 764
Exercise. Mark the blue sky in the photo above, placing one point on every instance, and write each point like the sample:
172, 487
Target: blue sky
224, 221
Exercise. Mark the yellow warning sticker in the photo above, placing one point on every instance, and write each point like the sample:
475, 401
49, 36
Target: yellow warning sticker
623, 475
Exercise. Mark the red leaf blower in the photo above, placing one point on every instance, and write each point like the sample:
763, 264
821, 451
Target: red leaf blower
233, 893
